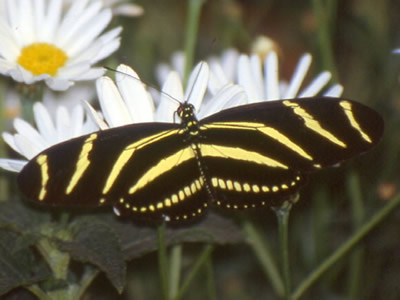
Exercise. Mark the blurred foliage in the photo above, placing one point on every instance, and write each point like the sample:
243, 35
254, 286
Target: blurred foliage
352, 38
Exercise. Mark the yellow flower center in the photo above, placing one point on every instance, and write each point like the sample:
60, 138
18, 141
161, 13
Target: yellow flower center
42, 58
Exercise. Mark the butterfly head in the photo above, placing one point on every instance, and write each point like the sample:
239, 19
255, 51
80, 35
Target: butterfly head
185, 111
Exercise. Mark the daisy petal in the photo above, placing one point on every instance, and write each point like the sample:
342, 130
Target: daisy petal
26, 129
172, 89
12, 165
26, 147
197, 85
334, 91
137, 99
271, 77
94, 116
316, 85
44, 122
298, 77
246, 78
111, 103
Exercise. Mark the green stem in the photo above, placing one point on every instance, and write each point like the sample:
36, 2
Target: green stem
88, 277
162, 261
38, 292
263, 254
212, 294
197, 266
346, 247
357, 257
192, 25
324, 12
3, 151
175, 270
282, 213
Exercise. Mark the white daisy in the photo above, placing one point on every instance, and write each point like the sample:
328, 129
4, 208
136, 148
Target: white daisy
29, 141
128, 101
261, 80
42, 42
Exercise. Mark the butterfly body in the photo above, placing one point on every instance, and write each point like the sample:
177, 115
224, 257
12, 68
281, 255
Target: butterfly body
250, 156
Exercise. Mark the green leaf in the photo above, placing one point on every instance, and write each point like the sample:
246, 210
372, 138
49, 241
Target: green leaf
96, 243
20, 217
138, 240
18, 267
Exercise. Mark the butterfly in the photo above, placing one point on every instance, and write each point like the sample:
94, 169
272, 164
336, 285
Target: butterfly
250, 156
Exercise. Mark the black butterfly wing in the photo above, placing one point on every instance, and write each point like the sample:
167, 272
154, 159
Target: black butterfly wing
268, 148
140, 169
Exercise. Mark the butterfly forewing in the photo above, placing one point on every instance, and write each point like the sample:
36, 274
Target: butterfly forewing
304, 134
76, 172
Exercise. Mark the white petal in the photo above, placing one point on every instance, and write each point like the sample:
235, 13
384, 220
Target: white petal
9, 139
178, 62
334, 91
229, 62
129, 10
172, 92
298, 77
44, 123
72, 26
52, 21
217, 78
197, 85
109, 42
228, 96
58, 84
91, 31
271, 77
12, 165
256, 70
77, 117
246, 78
94, 116
316, 85
138, 101
26, 129
26, 148
112, 105
90, 74
63, 124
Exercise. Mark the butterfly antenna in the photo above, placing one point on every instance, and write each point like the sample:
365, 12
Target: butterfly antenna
148, 85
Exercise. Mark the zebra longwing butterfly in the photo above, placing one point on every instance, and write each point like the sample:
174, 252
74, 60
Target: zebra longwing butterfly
249, 156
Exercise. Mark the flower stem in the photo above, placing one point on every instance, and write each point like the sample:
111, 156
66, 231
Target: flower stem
322, 9
263, 254
282, 213
175, 270
346, 247
3, 179
357, 257
196, 268
192, 25
212, 294
38, 292
162, 261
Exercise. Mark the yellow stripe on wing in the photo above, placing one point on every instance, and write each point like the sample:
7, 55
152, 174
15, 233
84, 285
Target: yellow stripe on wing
82, 164
266, 130
41, 160
347, 108
127, 154
313, 124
